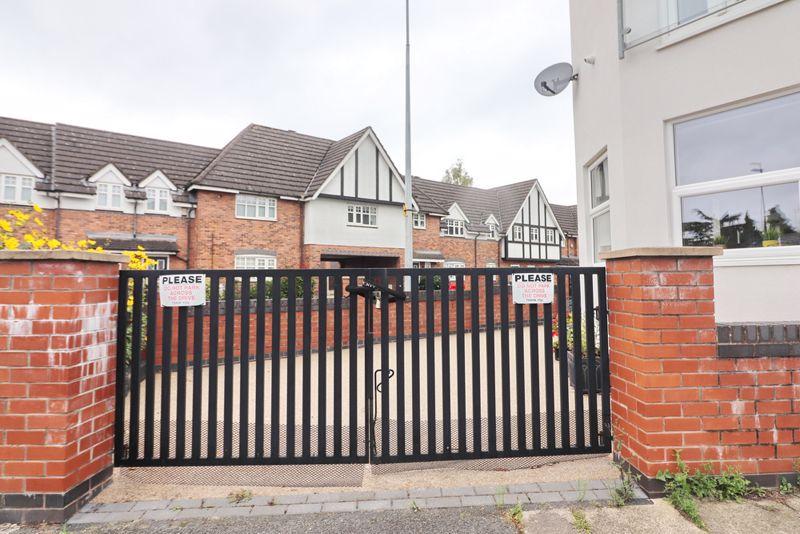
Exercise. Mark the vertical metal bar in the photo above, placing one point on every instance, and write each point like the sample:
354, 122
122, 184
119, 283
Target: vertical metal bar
275, 364
353, 370
213, 365
416, 376
244, 368
519, 371
606, 388
590, 359
461, 367
306, 384
430, 356
121, 362
385, 389
180, 430
369, 397
150, 369
261, 298
227, 416
562, 359
474, 323
549, 379
166, 382
577, 344
505, 364
490, 378
322, 366
400, 351
136, 354
197, 381
337, 365
447, 441
536, 424
291, 332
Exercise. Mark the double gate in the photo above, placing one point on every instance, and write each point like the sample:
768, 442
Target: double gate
361, 365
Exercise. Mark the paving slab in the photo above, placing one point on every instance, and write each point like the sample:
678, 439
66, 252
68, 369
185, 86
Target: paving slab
160, 515
384, 504
443, 502
311, 508
347, 506
150, 505
277, 509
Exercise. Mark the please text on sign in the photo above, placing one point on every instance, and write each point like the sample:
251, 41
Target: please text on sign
532, 288
182, 289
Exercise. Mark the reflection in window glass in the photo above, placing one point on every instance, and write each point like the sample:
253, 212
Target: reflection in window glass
754, 217
690, 9
752, 139
599, 183
601, 234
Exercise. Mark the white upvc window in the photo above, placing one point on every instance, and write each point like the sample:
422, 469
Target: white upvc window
161, 263
452, 227
255, 207
419, 220
534, 235
738, 190
255, 261
518, 231
493, 231
455, 264
109, 196
599, 208
17, 189
550, 236
362, 215
157, 200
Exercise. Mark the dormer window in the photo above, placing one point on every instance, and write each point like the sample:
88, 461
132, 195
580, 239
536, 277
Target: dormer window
452, 227
109, 196
493, 231
17, 189
157, 200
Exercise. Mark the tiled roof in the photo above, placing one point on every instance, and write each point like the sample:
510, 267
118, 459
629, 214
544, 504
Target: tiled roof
334, 155
33, 139
567, 218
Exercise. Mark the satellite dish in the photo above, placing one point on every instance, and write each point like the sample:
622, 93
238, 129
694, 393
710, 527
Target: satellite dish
554, 79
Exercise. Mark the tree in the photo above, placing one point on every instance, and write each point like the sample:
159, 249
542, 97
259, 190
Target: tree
457, 175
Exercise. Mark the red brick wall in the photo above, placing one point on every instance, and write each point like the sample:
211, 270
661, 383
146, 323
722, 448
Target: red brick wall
455, 248
671, 391
57, 354
312, 254
216, 232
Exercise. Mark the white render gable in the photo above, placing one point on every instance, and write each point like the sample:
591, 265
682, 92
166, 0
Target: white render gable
534, 233
157, 180
13, 162
109, 174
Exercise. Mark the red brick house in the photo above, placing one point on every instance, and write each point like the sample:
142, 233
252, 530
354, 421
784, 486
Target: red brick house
270, 198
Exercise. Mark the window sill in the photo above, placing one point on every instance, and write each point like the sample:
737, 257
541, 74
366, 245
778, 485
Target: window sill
352, 225
698, 27
759, 257
255, 218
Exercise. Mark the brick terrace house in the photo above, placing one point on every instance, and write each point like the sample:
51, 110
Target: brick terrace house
270, 198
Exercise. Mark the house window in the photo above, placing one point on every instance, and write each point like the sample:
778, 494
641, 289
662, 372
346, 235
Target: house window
455, 264
452, 227
157, 200
518, 233
109, 196
420, 221
550, 235
255, 261
534, 235
361, 215
493, 231
162, 263
17, 189
600, 210
736, 189
253, 207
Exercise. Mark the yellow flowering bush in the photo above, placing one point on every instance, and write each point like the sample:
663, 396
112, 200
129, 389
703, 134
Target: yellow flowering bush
26, 231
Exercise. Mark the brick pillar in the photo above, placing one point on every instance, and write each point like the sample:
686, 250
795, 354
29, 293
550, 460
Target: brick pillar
57, 358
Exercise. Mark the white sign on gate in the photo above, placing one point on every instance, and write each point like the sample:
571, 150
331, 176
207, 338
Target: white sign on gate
182, 289
532, 288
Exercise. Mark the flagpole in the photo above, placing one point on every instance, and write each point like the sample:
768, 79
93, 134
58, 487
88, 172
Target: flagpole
409, 256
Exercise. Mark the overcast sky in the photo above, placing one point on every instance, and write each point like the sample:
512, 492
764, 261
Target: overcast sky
199, 71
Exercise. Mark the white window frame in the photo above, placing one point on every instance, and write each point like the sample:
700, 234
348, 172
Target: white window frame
756, 256
452, 227
157, 195
534, 234
550, 236
419, 220
109, 191
600, 209
493, 231
255, 261
362, 215
269, 204
518, 233
162, 263
455, 264
21, 184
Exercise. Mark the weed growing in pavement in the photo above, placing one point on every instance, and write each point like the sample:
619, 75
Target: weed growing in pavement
64, 529
581, 490
414, 507
786, 487
515, 515
240, 496
580, 522
683, 488
622, 494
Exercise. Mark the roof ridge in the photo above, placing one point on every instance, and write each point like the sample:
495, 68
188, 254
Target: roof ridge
222, 153
283, 130
39, 123
143, 137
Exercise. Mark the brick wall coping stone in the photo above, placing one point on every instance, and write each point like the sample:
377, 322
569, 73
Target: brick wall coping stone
61, 255
641, 252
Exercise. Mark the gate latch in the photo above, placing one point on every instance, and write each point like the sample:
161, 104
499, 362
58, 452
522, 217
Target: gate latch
367, 290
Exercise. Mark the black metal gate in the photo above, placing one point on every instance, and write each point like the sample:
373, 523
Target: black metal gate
361, 365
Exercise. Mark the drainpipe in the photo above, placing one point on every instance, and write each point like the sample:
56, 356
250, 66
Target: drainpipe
475, 251
189, 214
134, 221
